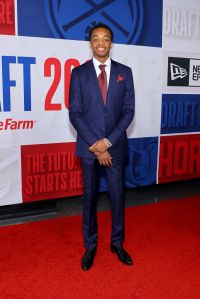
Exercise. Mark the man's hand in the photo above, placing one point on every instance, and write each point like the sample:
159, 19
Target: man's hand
98, 147
105, 159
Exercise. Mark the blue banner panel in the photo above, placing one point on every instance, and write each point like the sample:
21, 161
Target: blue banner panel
132, 21
141, 166
31, 19
151, 34
180, 113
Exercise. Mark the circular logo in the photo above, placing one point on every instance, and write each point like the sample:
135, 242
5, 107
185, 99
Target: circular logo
74, 19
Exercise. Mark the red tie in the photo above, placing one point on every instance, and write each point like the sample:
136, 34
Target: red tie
102, 78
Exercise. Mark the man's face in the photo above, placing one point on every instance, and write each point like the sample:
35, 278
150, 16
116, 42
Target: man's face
101, 44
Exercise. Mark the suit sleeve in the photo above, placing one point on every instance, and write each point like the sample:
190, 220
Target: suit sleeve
76, 111
127, 112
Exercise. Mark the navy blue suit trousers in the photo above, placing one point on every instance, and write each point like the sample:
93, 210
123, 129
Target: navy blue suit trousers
114, 175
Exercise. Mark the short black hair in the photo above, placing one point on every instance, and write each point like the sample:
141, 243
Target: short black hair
101, 25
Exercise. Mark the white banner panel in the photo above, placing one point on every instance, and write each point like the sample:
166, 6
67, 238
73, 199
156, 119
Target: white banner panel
146, 66
44, 91
34, 86
10, 179
181, 25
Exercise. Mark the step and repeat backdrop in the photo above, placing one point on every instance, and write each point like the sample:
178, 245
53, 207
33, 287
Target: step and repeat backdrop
41, 41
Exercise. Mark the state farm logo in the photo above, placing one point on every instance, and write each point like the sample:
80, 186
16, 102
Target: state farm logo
177, 71
183, 72
11, 124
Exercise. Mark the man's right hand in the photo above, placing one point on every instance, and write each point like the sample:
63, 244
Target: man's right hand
105, 159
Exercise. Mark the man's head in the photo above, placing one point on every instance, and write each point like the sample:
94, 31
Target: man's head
101, 25
101, 37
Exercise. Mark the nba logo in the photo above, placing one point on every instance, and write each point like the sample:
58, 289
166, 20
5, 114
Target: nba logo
74, 21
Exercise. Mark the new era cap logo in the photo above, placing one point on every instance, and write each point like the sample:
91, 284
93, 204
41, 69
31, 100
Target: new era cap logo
183, 72
177, 71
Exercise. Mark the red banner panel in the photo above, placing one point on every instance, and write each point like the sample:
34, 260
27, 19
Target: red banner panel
179, 158
7, 17
50, 171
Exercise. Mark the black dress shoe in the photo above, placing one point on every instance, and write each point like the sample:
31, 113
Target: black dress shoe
122, 255
87, 259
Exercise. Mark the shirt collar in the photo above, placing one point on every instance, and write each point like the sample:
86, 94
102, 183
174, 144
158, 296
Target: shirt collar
97, 63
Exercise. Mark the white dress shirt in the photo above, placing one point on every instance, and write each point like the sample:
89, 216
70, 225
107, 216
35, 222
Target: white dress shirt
107, 68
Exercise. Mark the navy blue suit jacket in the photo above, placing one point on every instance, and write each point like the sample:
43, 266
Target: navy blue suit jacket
91, 119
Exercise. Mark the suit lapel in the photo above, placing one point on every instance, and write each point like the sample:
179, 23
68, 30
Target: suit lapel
112, 81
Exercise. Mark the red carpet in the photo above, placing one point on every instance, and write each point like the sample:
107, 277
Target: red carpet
42, 260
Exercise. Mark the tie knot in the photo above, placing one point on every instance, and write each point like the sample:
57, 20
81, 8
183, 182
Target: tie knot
102, 67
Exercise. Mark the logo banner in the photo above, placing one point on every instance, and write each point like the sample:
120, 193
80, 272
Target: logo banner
183, 72
73, 19
180, 113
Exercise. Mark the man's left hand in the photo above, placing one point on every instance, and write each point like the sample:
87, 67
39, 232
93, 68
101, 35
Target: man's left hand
98, 147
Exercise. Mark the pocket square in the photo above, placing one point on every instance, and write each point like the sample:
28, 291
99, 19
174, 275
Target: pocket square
120, 78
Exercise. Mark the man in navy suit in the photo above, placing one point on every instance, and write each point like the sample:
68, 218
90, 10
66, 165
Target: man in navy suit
101, 109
